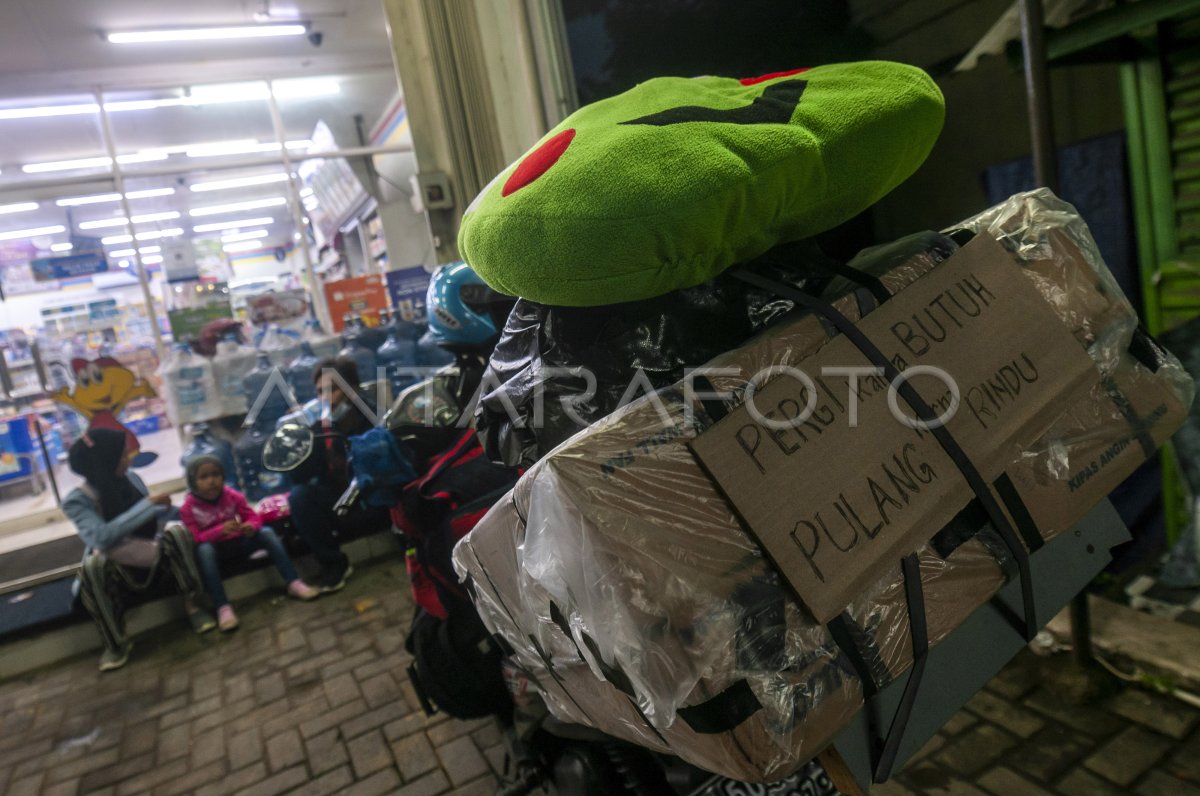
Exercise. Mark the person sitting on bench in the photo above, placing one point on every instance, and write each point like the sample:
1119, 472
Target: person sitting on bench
325, 475
131, 538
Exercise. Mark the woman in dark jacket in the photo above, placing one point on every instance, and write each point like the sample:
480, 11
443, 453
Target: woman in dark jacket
130, 539
322, 479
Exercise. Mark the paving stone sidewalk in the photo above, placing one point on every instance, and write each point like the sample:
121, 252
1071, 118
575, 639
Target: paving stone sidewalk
311, 698
1017, 738
307, 698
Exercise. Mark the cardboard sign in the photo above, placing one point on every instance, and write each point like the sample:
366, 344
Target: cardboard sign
834, 504
362, 295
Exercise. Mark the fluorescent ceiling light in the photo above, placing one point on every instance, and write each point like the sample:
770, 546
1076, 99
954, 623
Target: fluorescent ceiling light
32, 232
19, 207
254, 204
130, 252
246, 146
153, 234
100, 198
64, 165
306, 192
91, 163
152, 260
311, 203
236, 236
239, 146
48, 110
299, 88
146, 218
240, 182
242, 246
61, 247
237, 223
206, 34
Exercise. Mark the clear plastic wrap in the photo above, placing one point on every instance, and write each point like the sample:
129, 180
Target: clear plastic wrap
635, 601
539, 364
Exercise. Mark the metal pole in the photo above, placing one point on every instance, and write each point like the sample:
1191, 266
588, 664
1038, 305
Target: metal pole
1037, 93
318, 295
119, 183
37, 424
1045, 171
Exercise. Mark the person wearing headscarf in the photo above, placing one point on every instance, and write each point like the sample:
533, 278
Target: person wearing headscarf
224, 526
320, 481
131, 537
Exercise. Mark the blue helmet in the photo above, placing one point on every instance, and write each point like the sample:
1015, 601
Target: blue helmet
462, 309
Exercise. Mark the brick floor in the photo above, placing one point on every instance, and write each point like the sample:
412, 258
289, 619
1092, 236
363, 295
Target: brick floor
312, 698
1016, 737
306, 698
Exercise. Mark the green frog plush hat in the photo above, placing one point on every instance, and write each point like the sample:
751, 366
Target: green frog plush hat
665, 186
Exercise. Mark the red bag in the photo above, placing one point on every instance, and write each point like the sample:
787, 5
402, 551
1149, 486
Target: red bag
441, 507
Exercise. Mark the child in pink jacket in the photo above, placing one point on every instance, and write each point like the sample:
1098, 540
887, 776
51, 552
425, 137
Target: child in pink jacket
225, 527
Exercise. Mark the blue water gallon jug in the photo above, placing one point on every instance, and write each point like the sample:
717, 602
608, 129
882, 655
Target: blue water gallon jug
355, 349
397, 358
323, 345
430, 354
300, 373
267, 390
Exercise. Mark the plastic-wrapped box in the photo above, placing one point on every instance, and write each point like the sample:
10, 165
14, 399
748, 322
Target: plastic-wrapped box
632, 596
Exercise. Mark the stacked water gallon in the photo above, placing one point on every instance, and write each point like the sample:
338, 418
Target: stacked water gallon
358, 339
192, 395
399, 356
231, 364
267, 391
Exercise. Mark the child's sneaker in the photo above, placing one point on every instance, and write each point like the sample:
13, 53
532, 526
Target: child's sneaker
226, 619
302, 591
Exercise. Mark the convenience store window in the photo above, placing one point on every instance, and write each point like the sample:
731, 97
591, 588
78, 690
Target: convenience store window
86, 272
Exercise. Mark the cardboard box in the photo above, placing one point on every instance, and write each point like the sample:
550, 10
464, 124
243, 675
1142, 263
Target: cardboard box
621, 576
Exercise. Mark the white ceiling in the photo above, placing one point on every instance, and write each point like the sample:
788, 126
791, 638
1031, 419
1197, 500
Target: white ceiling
56, 46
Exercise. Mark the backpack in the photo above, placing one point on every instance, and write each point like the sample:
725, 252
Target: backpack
440, 507
456, 663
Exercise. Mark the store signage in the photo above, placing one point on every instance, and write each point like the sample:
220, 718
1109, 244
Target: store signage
46, 269
179, 261
17, 278
363, 295
335, 185
187, 323
407, 288
20, 251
